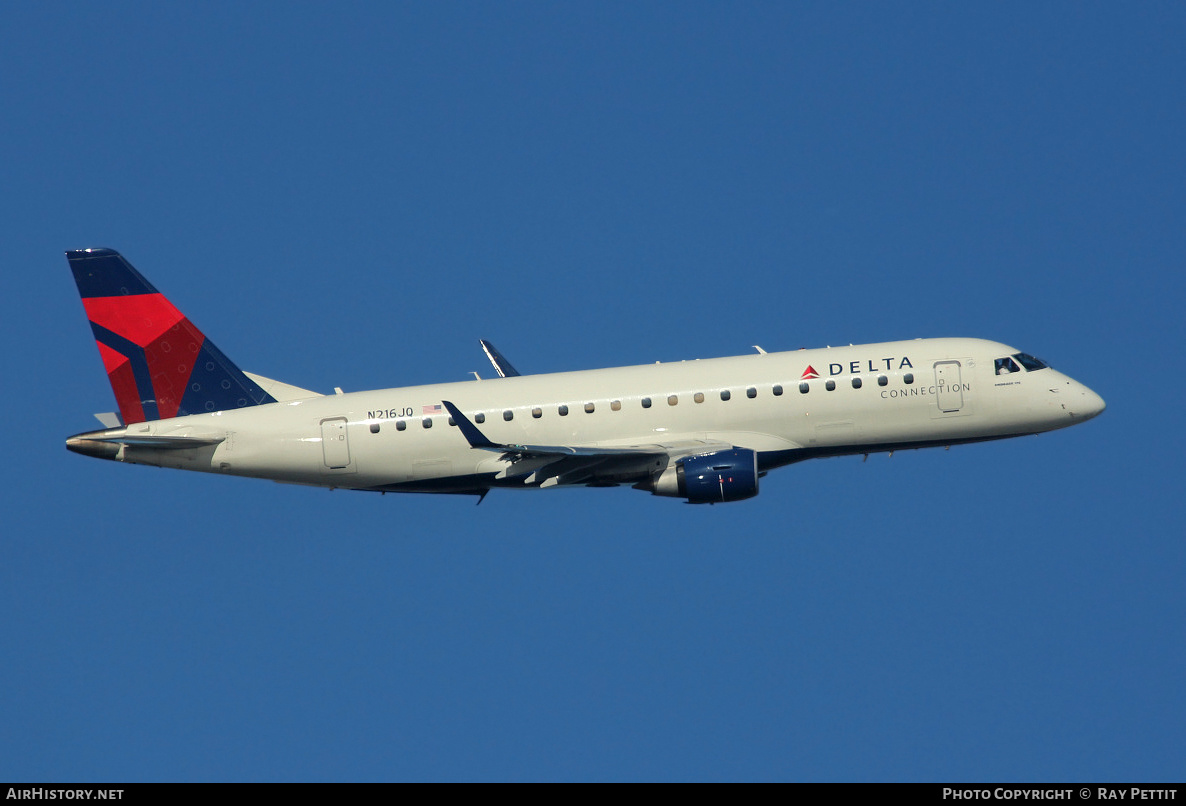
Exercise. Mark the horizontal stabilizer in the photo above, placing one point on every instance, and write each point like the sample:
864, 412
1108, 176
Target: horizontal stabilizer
109, 419
283, 392
107, 445
165, 443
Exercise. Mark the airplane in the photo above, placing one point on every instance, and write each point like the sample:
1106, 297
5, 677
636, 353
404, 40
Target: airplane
705, 431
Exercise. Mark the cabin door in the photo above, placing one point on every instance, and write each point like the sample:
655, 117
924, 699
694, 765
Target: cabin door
948, 387
334, 444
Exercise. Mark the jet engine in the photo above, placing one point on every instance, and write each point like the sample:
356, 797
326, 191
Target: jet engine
713, 478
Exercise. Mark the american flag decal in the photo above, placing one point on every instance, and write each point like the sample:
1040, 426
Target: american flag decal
432, 409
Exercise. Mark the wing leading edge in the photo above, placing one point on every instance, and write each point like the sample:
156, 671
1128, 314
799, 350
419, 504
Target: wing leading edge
551, 465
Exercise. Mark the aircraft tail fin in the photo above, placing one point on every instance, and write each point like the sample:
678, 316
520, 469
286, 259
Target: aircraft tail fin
159, 364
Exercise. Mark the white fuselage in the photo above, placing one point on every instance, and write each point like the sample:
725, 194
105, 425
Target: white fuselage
865, 398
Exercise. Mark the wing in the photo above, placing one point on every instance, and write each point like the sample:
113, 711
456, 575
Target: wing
501, 365
550, 465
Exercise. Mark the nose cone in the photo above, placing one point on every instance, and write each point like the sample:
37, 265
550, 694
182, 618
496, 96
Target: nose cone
1066, 402
1089, 404
1081, 403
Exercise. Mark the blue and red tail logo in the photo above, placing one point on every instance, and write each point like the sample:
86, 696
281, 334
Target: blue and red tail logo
159, 364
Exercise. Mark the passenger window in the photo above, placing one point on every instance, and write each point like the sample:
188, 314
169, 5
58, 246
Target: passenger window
882, 380
804, 388
400, 425
698, 397
777, 390
726, 394
646, 402
589, 408
479, 417
537, 412
374, 428
751, 392
508, 415
856, 383
615, 405
451, 421
830, 386
672, 400
908, 378
563, 410
426, 422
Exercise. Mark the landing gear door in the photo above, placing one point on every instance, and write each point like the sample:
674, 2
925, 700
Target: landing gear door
948, 387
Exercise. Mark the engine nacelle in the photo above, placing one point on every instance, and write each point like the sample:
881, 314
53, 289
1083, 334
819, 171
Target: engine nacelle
713, 478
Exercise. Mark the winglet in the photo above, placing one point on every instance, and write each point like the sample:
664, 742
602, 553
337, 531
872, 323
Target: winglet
501, 365
473, 436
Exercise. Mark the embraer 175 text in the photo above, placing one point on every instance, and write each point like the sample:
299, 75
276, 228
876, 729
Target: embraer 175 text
705, 430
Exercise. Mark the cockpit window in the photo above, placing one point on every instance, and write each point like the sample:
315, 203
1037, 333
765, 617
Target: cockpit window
1029, 362
1006, 366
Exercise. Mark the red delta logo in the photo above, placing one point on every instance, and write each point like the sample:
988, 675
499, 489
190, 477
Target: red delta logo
857, 367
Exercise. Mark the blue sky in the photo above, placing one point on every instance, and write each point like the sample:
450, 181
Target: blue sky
353, 195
